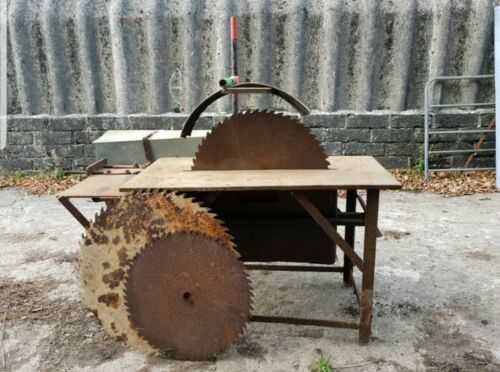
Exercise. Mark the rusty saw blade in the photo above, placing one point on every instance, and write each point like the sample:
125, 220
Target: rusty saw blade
260, 140
121, 233
188, 296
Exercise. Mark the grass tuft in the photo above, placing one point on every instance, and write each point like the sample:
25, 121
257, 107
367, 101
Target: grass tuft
322, 364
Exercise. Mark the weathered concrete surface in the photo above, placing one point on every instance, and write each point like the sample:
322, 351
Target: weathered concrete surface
437, 293
157, 56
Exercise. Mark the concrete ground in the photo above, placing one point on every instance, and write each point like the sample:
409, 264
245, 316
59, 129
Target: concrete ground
437, 292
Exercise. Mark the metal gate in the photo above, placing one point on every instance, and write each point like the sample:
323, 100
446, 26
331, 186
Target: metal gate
430, 109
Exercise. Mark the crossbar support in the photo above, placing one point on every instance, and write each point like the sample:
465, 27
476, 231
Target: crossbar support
327, 227
304, 321
74, 212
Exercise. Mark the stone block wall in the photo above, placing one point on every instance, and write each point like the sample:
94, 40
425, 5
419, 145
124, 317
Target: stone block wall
43, 142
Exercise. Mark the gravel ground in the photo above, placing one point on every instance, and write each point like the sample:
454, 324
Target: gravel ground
437, 290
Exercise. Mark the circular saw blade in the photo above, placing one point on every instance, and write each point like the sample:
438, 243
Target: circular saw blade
120, 233
188, 295
260, 140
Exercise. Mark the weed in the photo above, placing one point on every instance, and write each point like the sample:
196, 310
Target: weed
420, 166
58, 173
322, 365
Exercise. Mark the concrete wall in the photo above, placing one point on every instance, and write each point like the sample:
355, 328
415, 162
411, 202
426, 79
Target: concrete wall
157, 56
151, 57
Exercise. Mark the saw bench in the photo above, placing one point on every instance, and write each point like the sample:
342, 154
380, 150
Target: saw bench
165, 264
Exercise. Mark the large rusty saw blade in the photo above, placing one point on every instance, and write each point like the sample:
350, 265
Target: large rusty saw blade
260, 140
188, 295
143, 229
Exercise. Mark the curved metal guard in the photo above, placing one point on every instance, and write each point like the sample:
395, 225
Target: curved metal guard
191, 120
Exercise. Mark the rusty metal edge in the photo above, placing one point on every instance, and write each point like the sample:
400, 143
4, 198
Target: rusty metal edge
304, 321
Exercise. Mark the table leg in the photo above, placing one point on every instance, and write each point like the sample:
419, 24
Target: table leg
335, 200
349, 237
369, 252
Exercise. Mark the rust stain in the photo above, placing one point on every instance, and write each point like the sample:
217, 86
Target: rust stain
123, 257
114, 278
98, 238
122, 338
155, 214
109, 299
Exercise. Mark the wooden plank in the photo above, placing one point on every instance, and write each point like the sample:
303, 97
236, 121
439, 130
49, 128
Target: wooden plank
327, 227
345, 172
98, 186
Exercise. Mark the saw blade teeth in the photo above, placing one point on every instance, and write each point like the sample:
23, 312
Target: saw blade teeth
220, 222
252, 124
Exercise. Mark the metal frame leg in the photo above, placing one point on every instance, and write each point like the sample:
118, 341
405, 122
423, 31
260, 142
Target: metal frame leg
369, 251
349, 237
74, 212
335, 203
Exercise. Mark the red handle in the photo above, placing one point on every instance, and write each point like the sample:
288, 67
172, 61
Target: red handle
234, 28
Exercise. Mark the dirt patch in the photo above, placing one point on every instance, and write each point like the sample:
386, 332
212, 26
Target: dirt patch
17, 238
400, 309
248, 348
76, 338
351, 310
481, 256
25, 300
58, 257
448, 350
394, 234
